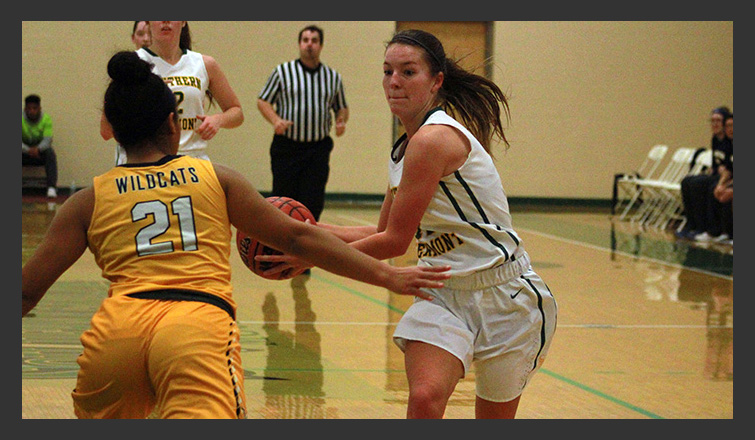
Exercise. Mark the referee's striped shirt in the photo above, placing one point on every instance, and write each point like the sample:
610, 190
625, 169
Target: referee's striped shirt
305, 96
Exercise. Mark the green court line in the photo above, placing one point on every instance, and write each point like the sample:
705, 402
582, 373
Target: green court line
358, 293
547, 372
601, 394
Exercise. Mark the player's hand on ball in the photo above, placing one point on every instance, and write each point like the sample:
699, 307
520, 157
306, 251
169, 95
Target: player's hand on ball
287, 262
250, 248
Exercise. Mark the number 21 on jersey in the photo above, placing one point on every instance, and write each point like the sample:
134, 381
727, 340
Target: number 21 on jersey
180, 214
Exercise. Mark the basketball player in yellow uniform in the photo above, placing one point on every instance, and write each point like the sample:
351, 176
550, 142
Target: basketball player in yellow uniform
159, 227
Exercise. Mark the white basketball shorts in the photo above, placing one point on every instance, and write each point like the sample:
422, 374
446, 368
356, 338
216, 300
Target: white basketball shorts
502, 319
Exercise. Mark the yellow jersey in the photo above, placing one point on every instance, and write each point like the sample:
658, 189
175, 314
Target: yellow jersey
162, 226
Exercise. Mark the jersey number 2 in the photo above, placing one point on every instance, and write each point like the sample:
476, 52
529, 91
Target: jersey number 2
161, 222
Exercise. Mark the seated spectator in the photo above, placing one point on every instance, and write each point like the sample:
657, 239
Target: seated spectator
36, 142
724, 190
703, 223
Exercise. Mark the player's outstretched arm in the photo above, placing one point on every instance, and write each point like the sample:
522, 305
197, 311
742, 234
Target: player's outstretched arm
252, 214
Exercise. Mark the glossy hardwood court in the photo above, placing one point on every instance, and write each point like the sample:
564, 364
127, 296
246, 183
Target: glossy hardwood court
645, 330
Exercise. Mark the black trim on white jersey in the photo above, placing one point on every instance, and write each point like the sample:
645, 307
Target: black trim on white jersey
395, 148
149, 51
463, 217
472, 197
478, 206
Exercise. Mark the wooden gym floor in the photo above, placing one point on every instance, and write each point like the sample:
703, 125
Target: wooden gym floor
645, 330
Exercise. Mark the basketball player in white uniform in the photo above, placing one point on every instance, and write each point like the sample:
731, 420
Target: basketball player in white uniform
495, 310
445, 190
190, 75
188, 80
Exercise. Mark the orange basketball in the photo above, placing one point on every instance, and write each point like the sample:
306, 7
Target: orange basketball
249, 247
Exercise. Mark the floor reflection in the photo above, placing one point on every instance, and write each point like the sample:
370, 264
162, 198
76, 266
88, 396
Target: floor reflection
632, 239
720, 355
395, 379
716, 296
700, 276
35, 219
293, 375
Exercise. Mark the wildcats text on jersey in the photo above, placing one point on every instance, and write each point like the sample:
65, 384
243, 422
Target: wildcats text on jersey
180, 176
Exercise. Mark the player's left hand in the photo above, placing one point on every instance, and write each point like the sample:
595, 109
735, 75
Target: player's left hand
209, 127
410, 280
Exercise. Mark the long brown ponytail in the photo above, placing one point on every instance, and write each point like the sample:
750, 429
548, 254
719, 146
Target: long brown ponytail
474, 99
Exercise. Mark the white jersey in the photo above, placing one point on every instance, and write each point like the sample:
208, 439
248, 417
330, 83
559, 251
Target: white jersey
467, 224
188, 79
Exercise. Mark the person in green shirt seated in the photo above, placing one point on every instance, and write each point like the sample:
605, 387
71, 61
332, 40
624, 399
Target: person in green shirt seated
36, 142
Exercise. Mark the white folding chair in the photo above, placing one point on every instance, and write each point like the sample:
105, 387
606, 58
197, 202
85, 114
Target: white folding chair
625, 190
703, 161
653, 197
672, 192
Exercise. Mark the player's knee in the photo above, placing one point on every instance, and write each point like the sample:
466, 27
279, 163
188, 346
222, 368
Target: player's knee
427, 401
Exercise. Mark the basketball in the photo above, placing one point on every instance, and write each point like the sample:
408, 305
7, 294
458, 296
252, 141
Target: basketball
249, 247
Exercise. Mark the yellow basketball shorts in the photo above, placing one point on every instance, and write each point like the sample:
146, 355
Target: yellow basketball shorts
500, 319
180, 359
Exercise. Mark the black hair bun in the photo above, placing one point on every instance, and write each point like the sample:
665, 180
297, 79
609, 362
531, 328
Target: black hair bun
126, 67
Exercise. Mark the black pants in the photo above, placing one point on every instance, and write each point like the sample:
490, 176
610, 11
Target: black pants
702, 209
47, 159
727, 218
300, 171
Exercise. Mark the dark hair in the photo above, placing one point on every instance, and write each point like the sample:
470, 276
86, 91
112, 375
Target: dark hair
32, 99
313, 28
723, 111
473, 98
137, 102
185, 41
136, 24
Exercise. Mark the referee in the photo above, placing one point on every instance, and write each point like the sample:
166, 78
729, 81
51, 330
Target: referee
297, 100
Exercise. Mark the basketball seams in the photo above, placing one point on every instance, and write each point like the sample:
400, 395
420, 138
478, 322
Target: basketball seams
248, 247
